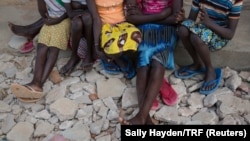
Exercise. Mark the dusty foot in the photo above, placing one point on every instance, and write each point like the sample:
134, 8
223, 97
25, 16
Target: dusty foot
24, 31
134, 121
210, 75
192, 67
87, 64
70, 66
124, 122
34, 87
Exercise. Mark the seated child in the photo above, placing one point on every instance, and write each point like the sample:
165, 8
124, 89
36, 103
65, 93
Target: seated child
53, 37
210, 26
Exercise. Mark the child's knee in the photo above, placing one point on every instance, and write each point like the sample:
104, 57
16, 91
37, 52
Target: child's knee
76, 24
87, 18
182, 31
195, 39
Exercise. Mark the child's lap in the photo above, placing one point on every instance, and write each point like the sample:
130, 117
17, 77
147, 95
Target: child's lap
210, 38
158, 43
121, 37
156, 34
55, 35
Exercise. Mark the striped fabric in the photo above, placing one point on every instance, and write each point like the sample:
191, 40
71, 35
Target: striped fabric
81, 1
158, 43
55, 9
220, 10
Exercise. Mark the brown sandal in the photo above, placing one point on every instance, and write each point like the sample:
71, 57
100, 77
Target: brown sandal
26, 93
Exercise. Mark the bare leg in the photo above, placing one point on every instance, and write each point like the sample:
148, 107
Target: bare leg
203, 50
28, 31
184, 35
141, 84
154, 82
45, 61
88, 34
50, 63
41, 59
76, 34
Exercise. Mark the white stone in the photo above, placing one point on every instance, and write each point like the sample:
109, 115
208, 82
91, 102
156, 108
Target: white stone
17, 41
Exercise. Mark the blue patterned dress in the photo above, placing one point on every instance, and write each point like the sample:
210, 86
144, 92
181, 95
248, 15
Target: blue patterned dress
219, 11
158, 40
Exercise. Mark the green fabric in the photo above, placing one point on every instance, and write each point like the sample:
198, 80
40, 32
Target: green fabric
60, 2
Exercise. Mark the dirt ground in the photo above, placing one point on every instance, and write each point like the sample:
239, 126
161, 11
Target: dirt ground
16, 2
25, 12
17, 11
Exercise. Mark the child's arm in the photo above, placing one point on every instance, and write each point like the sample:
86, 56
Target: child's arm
53, 21
225, 32
142, 19
42, 8
172, 18
44, 14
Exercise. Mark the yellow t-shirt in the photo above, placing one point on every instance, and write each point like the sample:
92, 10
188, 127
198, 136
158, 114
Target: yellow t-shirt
110, 11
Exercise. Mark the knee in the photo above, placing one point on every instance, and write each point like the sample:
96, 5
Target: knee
183, 32
76, 24
195, 39
54, 51
87, 19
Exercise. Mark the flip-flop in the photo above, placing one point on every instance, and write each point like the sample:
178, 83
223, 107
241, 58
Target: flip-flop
168, 94
25, 92
27, 47
28, 100
110, 68
188, 73
218, 73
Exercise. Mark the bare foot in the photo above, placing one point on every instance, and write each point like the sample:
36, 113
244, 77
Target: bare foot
134, 121
210, 76
186, 70
25, 31
70, 66
34, 87
87, 66
124, 122
87, 63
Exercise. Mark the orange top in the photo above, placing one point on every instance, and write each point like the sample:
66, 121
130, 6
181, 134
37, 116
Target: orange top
111, 11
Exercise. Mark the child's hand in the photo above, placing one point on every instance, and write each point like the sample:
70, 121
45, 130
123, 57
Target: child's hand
48, 20
203, 16
180, 16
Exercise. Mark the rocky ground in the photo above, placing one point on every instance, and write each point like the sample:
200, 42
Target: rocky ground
86, 106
